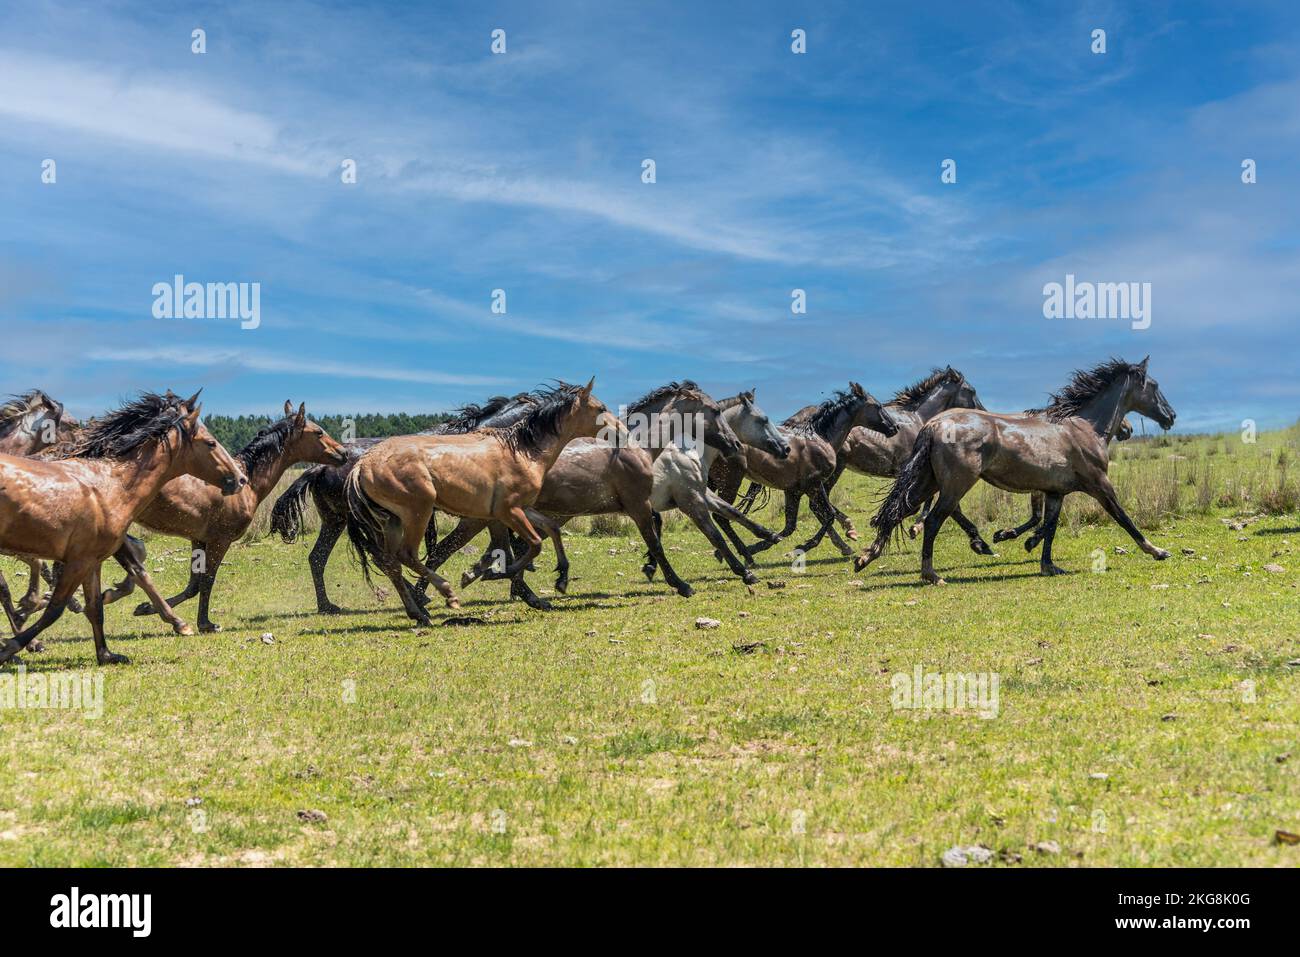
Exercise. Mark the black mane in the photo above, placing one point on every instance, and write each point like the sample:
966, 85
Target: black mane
19, 405
267, 446
146, 419
1084, 386
664, 392
541, 422
469, 417
914, 394
820, 420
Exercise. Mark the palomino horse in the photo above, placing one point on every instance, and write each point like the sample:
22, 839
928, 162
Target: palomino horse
327, 485
76, 510
811, 461
1124, 433
190, 508
593, 477
1062, 449
30, 423
394, 488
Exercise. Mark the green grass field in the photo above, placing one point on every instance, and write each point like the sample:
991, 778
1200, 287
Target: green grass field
1147, 715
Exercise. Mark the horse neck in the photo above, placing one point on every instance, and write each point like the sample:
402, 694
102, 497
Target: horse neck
148, 473
839, 429
266, 475
1107, 410
934, 403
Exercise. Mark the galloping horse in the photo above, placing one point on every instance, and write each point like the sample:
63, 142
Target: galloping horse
190, 508
494, 473
1060, 449
813, 446
869, 452
327, 485
29, 424
593, 477
76, 509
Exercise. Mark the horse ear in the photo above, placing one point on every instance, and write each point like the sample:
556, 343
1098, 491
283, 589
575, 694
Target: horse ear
586, 389
288, 407
301, 418
1143, 364
857, 389
192, 401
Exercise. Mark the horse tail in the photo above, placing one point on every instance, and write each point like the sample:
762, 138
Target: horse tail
915, 484
367, 524
757, 496
287, 513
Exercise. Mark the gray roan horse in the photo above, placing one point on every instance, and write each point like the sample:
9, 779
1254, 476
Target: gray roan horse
1057, 450
326, 485
869, 452
813, 446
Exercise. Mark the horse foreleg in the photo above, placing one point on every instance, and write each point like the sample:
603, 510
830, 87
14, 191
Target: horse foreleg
31, 600
14, 616
73, 575
1104, 493
95, 613
791, 523
192, 587
647, 526
131, 557
1047, 532
698, 512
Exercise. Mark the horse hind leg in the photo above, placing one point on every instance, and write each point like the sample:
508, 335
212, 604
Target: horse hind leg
977, 543
1035, 519
73, 575
1051, 517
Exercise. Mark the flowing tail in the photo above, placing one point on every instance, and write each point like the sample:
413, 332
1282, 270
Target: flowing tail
756, 496
287, 513
368, 524
915, 483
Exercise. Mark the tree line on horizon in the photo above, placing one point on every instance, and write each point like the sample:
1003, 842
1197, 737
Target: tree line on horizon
234, 432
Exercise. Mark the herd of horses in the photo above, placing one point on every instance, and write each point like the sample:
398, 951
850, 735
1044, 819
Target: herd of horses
520, 467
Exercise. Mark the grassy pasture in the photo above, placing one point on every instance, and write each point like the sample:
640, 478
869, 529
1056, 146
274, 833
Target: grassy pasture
1148, 714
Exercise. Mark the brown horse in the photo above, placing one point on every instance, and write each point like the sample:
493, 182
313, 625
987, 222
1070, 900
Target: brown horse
29, 424
811, 461
327, 486
190, 508
1057, 450
492, 474
76, 510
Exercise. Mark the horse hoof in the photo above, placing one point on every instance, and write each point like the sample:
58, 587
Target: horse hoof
749, 578
913, 530
183, 629
1031, 543
35, 645
209, 627
75, 606
562, 585
1160, 554
453, 602
686, 591
328, 608
112, 658
1003, 535
851, 534
980, 547
846, 552
9, 649
649, 572
142, 609
932, 580
1051, 570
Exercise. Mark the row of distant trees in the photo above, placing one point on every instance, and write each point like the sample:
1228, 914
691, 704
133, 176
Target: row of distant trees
234, 432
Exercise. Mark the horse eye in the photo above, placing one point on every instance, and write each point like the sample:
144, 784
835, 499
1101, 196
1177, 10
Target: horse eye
212, 443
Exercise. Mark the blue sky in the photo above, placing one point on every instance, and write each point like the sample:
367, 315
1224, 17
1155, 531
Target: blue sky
522, 172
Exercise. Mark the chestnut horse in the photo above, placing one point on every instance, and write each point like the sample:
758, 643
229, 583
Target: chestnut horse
76, 509
1061, 449
327, 486
189, 508
494, 473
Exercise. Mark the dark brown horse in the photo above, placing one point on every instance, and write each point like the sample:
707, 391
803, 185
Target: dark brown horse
327, 486
76, 510
190, 508
497, 474
1057, 450
813, 447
